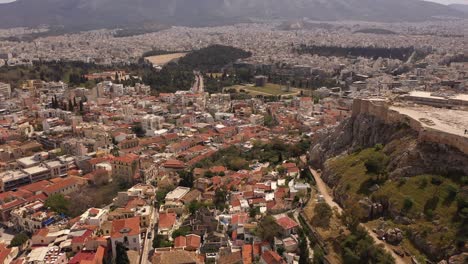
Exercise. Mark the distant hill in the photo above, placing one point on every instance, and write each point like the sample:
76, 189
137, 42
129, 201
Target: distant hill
460, 7
89, 14
378, 31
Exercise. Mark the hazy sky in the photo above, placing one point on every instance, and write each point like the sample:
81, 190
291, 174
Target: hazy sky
439, 1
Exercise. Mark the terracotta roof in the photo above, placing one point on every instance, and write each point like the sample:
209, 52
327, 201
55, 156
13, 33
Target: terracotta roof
60, 185
271, 257
89, 257
176, 257
174, 164
239, 219
4, 252
286, 223
129, 158
167, 220
247, 254
125, 227
37, 186
180, 242
233, 258
193, 241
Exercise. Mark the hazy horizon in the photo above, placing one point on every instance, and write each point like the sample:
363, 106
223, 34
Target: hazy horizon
437, 1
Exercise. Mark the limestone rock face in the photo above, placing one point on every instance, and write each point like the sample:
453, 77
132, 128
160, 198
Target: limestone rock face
409, 155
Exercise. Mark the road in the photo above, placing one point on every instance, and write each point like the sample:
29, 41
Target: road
148, 242
199, 85
323, 189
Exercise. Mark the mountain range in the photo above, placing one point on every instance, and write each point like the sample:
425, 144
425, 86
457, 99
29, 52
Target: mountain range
120, 13
460, 7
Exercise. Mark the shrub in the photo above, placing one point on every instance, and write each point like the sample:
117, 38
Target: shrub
376, 164
436, 181
407, 204
322, 215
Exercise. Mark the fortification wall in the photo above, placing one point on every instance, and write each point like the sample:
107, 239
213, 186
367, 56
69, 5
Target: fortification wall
381, 109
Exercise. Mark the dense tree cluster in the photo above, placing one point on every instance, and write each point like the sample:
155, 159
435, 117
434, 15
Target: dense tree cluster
275, 152
213, 58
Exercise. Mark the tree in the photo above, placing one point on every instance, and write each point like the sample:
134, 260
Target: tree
353, 214
268, 229
407, 204
121, 256
58, 204
183, 231
322, 215
138, 130
70, 105
281, 170
376, 163
81, 107
194, 206
254, 211
186, 179
220, 199
19, 240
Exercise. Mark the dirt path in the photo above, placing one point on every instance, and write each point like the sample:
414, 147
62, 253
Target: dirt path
323, 189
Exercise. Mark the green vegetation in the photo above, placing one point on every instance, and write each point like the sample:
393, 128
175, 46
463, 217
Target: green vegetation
186, 178
268, 229
162, 192
159, 241
212, 58
434, 203
69, 72
19, 240
359, 247
182, 231
276, 151
322, 215
220, 199
121, 256
58, 204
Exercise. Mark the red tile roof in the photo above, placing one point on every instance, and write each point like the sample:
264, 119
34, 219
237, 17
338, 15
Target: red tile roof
180, 242
239, 219
271, 257
129, 158
247, 254
167, 220
286, 223
125, 227
193, 241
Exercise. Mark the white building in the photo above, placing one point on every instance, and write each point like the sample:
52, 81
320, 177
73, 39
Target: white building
94, 216
152, 123
127, 232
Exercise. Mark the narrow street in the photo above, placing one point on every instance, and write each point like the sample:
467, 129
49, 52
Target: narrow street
323, 189
148, 242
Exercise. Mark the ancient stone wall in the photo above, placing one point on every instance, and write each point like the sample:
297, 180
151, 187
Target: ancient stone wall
381, 110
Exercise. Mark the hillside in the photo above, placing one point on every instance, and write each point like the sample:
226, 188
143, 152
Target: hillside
460, 7
87, 14
399, 181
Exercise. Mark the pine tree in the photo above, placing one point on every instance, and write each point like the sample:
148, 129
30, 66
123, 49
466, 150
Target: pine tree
121, 256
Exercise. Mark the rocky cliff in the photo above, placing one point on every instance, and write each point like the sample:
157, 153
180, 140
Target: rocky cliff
417, 170
410, 154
